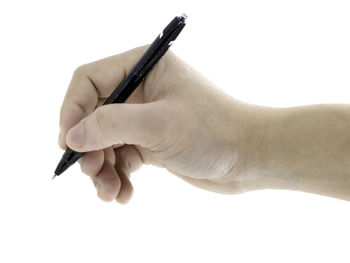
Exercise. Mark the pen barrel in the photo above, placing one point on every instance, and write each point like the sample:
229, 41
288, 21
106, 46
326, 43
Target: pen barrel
124, 90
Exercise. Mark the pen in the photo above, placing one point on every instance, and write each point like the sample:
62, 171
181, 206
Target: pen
140, 71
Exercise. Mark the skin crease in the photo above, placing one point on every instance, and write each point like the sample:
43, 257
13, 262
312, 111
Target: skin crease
178, 120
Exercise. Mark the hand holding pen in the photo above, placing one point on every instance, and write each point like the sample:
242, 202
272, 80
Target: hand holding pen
178, 120
169, 121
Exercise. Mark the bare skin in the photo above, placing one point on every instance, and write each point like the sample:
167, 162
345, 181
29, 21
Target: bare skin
178, 120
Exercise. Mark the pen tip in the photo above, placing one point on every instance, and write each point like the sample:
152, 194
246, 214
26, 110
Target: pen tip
53, 177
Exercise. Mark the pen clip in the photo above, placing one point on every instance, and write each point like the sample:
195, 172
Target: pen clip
168, 41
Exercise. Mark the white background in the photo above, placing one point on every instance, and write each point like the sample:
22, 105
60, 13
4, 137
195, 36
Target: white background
275, 53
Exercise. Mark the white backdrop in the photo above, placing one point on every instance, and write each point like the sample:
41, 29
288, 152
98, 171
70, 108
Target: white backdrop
276, 53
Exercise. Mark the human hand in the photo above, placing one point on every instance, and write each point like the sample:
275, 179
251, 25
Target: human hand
175, 119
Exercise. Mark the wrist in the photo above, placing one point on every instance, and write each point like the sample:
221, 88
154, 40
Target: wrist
252, 136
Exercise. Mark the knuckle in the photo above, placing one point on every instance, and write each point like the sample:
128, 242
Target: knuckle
81, 70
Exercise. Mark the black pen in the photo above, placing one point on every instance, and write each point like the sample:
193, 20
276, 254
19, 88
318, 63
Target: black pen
140, 71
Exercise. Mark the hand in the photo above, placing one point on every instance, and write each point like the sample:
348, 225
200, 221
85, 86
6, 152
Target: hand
175, 119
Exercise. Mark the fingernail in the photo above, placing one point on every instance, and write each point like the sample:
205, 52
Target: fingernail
76, 135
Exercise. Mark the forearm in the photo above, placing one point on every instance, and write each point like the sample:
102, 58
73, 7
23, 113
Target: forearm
303, 148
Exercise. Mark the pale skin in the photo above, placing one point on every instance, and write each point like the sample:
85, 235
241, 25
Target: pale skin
178, 120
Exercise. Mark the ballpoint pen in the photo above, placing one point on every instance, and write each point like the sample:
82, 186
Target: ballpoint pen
140, 71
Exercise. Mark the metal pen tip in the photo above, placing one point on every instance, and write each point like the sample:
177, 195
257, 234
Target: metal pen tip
53, 177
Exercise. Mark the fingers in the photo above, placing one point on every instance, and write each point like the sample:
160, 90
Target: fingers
106, 181
91, 162
138, 124
126, 189
91, 82
110, 171
99, 165
128, 160
80, 100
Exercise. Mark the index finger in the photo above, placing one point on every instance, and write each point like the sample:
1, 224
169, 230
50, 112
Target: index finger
91, 82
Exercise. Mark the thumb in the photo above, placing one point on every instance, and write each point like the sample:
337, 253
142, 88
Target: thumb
139, 124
